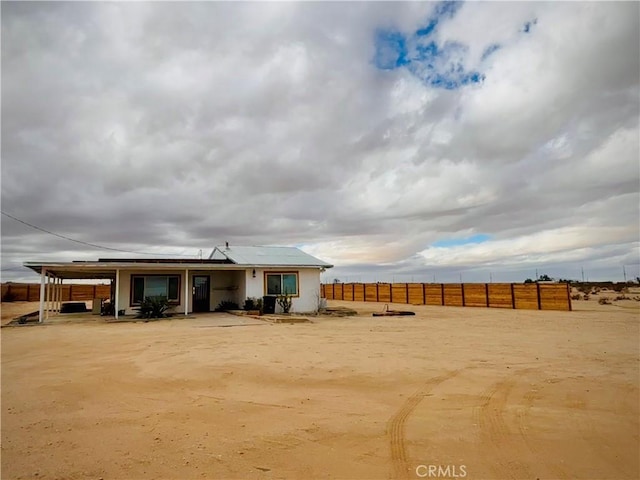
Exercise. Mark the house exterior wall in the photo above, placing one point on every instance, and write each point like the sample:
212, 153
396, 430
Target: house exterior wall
227, 285
124, 289
308, 287
232, 285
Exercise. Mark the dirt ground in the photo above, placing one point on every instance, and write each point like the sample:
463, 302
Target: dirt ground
452, 392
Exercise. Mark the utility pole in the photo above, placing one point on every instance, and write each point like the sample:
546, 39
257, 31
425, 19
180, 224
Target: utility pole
582, 270
624, 274
537, 274
460, 278
490, 278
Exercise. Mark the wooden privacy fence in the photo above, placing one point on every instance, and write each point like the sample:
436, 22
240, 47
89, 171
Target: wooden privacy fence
534, 296
30, 292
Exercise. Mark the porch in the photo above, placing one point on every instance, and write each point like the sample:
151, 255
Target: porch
196, 287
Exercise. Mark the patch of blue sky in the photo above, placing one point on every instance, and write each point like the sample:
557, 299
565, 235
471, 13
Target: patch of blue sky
391, 50
489, 50
440, 66
442, 10
456, 242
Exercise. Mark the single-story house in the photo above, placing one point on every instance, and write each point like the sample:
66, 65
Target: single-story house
231, 273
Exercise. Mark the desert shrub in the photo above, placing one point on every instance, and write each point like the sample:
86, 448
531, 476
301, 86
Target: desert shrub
249, 304
226, 305
576, 296
604, 301
584, 289
252, 303
586, 296
153, 307
621, 297
285, 302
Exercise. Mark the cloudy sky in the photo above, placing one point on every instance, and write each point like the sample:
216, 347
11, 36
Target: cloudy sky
398, 141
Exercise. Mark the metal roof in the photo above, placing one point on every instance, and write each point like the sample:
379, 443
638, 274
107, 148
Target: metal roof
267, 256
222, 258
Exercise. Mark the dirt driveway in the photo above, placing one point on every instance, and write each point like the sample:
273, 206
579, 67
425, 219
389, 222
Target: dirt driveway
486, 392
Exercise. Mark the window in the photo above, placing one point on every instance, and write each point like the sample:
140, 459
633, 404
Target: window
143, 286
282, 284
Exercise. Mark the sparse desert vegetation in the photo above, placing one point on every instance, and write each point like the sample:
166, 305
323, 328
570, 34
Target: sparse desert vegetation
506, 393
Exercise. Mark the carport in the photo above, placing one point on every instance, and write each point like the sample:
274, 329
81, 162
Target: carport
53, 274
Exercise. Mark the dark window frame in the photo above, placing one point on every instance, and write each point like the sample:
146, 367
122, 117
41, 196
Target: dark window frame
145, 275
281, 273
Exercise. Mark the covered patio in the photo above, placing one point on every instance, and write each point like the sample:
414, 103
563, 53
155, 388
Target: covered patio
53, 276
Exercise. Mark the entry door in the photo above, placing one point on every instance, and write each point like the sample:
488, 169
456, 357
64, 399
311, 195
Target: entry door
201, 293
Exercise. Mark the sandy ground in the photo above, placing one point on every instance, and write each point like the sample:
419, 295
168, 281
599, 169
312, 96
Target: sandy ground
487, 393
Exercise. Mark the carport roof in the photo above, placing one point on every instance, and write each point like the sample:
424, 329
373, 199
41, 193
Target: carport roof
106, 268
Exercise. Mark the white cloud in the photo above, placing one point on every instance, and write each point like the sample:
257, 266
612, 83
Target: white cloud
178, 126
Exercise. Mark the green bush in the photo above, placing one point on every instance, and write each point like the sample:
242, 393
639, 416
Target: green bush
250, 304
153, 307
226, 305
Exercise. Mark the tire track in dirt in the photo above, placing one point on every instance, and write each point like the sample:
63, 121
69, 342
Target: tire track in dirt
494, 431
396, 425
524, 425
600, 445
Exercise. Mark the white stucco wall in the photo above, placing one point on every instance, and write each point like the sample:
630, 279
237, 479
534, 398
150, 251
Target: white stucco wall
124, 292
308, 286
227, 285
233, 285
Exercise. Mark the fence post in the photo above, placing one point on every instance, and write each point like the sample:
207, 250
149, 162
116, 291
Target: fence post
71, 292
424, 293
486, 293
353, 292
462, 290
513, 298
442, 294
377, 292
407, 285
538, 294
569, 296
94, 291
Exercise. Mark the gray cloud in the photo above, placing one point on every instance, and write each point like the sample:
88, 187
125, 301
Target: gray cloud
171, 127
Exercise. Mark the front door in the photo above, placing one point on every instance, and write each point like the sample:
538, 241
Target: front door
201, 293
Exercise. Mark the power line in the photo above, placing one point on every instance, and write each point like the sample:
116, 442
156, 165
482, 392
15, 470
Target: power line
88, 244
